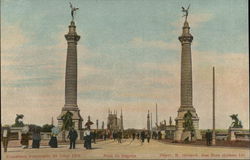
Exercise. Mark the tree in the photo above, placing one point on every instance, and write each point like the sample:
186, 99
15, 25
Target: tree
67, 123
32, 127
47, 127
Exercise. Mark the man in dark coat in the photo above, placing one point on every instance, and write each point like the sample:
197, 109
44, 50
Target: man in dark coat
36, 138
114, 135
208, 137
148, 136
133, 135
6, 135
159, 135
138, 135
119, 136
142, 136
105, 136
72, 137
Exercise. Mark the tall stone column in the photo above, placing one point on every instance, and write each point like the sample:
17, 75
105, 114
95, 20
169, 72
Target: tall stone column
186, 86
71, 69
71, 79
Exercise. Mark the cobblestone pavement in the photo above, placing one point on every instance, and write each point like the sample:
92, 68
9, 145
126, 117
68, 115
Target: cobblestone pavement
126, 150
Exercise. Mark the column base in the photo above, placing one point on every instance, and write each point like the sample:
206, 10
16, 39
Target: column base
181, 135
77, 119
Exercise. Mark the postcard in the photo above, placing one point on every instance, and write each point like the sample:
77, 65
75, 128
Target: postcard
117, 79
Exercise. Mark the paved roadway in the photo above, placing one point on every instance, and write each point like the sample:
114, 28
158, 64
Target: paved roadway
127, 150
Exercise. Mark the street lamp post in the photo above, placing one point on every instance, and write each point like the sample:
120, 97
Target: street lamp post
213, 136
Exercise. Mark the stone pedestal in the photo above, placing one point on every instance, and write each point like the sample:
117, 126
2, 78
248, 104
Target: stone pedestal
186, 135
232, 132
77, 119
178, 136
17, 130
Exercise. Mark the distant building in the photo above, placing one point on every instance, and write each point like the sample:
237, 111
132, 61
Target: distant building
114, 123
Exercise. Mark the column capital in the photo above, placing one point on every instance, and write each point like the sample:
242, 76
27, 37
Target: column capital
186, 39
72, 37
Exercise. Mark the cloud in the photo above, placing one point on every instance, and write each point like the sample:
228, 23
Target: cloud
12, 37
231, 86
140, 43
33, 75
231, 74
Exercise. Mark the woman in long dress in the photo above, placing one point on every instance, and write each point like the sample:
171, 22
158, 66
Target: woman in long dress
25, 137
87, 138
53, 141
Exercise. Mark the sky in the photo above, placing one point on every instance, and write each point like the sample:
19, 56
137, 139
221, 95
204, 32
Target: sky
128, 58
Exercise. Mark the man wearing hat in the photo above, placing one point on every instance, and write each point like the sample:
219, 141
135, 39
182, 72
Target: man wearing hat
36, 137
208, 137
72, 137
6, 135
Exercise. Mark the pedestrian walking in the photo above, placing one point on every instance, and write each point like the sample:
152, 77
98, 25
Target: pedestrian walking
114, 135
142, 136
154, 135
208, 137
87, 138
159, 135
53, 141
138, 135
119, 136
6, 135
36, 138
72, 137
105, 136
94, 136
148, 137
25, 137
133, 136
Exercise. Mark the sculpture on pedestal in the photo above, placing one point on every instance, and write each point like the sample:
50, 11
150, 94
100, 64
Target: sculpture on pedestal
18, 122
73, 10
236, 122
185, 11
